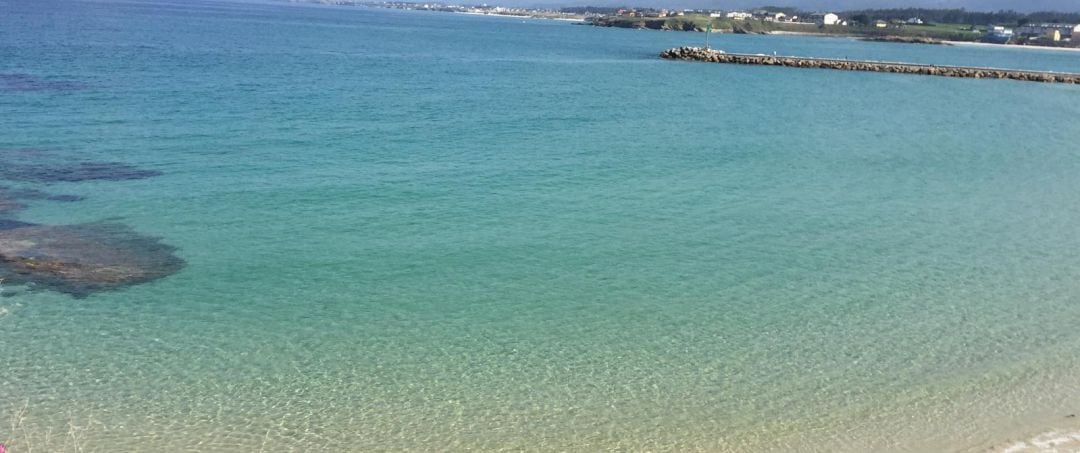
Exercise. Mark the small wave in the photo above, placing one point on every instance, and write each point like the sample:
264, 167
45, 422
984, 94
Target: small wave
1050, 441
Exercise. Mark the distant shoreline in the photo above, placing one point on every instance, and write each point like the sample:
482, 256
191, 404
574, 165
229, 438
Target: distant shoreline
1012, 46
516, 16
938, 34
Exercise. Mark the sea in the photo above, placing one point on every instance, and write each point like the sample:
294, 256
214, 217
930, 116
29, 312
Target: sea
419, 231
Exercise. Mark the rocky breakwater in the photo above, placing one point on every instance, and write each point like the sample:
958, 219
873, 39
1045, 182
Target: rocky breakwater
716, 56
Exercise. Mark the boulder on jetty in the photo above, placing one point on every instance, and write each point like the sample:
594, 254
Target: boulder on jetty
716, 56
82, 259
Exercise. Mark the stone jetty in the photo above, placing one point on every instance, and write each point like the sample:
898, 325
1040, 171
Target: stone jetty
716, 56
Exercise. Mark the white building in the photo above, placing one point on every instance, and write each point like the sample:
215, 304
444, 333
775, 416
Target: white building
739, 15
826, 19
998, 34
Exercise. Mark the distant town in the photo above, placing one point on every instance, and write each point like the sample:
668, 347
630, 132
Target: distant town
916, 25
903, 25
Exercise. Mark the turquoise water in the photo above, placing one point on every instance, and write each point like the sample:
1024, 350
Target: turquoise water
437, 232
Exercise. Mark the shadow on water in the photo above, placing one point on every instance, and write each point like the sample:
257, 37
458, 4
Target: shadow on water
27, 82
82, 259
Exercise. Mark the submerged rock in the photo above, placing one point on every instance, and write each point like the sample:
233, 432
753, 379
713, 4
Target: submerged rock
34, 194
9, 198
27, 82
74, 172
7, 224
82, 259
65, 198
9, 205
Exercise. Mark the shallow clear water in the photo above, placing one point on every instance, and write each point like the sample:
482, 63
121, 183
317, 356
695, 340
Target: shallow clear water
436, 232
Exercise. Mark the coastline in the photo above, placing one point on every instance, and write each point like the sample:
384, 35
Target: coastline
515, 16
1011, 46
462, 235
803, 33
843, 32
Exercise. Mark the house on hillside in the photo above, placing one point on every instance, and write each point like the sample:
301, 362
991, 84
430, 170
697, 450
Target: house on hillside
1050, 32
825, 18
739, 15
769, 16
998, 34
880, 24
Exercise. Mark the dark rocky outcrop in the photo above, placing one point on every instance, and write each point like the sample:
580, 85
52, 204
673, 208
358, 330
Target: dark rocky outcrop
906, 40
715, 56
82, 259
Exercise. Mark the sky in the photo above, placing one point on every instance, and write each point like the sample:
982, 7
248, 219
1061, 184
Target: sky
822, 5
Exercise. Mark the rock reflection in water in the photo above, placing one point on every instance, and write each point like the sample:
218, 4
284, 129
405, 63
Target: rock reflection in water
82, 259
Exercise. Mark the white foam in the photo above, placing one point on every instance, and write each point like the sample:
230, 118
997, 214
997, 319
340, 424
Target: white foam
1048, 442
